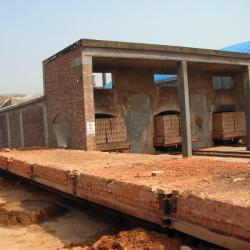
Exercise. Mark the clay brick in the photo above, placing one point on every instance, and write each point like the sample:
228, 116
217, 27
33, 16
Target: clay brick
20, 168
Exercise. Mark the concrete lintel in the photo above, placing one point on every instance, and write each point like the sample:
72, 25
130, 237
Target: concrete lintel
21, 127
184, 108
246, 80
163, 55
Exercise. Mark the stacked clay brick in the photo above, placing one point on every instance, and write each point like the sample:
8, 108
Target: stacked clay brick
167, 130
111, 134
229, 125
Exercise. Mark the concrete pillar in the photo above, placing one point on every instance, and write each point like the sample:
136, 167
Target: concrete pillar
184, 109
45, 126
104, 79
246, 80
8, 129
21, 127
89, 105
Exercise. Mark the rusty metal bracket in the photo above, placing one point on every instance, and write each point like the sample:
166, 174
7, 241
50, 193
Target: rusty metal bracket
168, 204
32, 172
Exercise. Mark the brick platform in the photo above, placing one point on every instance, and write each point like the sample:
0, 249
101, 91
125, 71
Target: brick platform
163, 189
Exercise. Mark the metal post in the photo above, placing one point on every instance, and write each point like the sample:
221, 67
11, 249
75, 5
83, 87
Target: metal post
184, 109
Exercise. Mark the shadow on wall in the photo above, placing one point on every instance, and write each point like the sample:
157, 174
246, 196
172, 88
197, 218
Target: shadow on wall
62, 125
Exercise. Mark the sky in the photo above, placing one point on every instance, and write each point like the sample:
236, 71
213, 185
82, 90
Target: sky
31, 31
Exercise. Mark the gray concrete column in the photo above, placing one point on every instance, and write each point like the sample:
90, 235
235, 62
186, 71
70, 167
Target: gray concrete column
8, 129
21, 127
246, 81
184, 109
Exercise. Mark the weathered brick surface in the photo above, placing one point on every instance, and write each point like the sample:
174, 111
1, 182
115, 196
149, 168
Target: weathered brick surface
3, 162
15, 134
214, 214
33, 127
69, 90
137, 200
58, 176
3, 131
131, 190
20, 168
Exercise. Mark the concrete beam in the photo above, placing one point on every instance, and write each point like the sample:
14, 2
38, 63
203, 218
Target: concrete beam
164, 55
246, 80
21, 127
184, 109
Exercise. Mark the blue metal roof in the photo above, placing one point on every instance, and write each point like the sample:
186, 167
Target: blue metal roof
162, 77
240, 47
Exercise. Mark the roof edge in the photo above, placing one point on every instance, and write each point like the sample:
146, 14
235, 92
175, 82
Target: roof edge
144, 47
15, 106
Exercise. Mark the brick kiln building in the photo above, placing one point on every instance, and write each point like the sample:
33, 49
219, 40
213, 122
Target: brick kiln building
208, 82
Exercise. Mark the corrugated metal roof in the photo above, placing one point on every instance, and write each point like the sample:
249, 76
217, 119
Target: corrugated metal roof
240, 47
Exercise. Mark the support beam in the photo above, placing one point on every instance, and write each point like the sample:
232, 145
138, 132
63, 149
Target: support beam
88, 102
184, 109
8, 129
246, 77
21, 127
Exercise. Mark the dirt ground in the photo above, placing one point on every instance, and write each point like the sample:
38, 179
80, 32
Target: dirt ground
221, 180
134, 239
32, 218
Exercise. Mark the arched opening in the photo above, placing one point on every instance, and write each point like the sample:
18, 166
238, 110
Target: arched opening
100, 116
61, 126
168, 112
225, 108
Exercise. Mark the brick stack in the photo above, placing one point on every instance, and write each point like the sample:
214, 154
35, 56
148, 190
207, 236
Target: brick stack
167, 130
240, 124
111, 134
229, 125
102, 125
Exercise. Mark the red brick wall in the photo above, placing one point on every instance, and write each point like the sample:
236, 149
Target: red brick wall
3, 132
65, 94
15, 135
33, 127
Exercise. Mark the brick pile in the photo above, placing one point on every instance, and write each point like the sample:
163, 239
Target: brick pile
167, 130
111, 134
121, 182
229, 125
